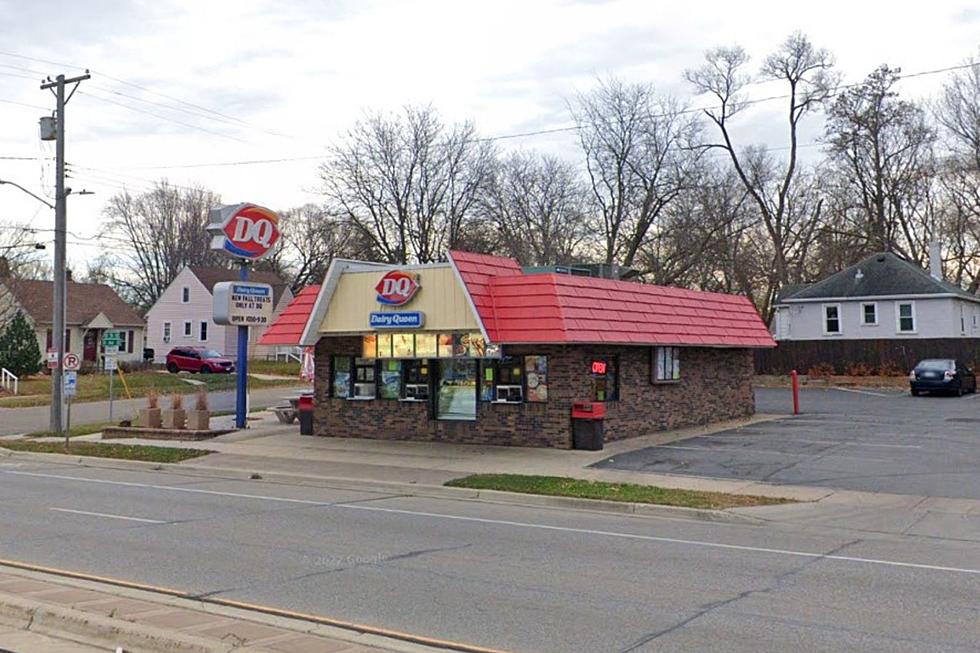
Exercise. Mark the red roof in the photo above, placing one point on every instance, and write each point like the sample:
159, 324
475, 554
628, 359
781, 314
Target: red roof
287, 329
558, 308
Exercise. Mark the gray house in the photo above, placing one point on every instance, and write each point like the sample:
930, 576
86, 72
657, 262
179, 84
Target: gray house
880, 310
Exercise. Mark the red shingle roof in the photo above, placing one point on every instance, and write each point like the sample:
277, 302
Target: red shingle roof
287, 329
557, 308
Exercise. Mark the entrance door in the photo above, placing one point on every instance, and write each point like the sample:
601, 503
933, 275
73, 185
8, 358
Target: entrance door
90, 345
457, 390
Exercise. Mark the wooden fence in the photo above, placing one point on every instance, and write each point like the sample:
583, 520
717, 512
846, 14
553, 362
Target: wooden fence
801, 355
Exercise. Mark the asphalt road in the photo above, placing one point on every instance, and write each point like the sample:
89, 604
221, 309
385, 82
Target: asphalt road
877, 441
518, 578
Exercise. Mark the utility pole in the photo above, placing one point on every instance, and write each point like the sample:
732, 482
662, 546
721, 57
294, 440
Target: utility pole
60, 228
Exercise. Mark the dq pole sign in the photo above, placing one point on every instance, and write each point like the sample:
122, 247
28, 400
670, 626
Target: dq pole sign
248, 233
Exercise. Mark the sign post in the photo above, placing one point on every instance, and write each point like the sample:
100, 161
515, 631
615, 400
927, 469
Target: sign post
70, 366
247, 233
110, 347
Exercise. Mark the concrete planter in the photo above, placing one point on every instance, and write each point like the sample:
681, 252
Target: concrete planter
150, 418
199, 420
174, 418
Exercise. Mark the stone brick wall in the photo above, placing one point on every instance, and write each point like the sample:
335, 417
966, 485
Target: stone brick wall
715, 384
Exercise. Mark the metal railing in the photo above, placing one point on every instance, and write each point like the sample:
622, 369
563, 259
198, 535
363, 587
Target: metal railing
8, 380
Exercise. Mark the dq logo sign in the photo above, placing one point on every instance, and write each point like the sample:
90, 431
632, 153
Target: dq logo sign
244, 230
397, 288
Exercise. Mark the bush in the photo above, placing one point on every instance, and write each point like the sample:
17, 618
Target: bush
19, 352
859, 369
821, 370
889, 368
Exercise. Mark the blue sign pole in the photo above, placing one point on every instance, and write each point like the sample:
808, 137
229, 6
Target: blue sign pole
242, 389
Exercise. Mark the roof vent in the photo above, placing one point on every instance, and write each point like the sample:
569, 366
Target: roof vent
858, 275
881, 258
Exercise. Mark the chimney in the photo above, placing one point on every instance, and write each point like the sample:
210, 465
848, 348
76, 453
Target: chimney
935, 261
68, 275
4, 267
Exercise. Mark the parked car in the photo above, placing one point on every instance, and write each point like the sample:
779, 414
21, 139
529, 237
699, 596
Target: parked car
942, 375
197, 359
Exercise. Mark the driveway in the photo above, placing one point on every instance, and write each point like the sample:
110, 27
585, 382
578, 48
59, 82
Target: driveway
876, 441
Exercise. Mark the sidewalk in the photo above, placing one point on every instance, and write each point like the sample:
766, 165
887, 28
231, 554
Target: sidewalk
47, 613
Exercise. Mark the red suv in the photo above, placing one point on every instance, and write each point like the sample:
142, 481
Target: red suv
197, 359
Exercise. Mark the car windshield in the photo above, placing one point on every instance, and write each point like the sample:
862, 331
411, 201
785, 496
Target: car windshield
210, 353
936, 364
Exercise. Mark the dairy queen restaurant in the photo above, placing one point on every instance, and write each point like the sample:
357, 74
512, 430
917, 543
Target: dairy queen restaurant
477, 350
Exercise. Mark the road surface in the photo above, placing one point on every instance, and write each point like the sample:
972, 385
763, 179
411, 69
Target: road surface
506, 576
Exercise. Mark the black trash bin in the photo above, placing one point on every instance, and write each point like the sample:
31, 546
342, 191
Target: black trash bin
588, 425
305, 410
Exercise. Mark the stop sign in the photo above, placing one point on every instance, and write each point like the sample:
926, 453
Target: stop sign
244, 230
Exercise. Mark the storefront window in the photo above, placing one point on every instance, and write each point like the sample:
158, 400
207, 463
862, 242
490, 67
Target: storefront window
605, 378
425, 345
369, 346
341, 376
365, 384
457, 390
416, 375
403, 345
666, 364
509, 383
384, 345
536, 377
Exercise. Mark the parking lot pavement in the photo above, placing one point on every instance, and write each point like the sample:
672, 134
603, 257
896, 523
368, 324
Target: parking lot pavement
876, 441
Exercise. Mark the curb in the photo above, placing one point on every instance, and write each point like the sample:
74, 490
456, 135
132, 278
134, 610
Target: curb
404, 489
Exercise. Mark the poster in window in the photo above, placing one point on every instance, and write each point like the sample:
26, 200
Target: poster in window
676, 370
391, 377
403, 345
445, 345
461, 343
384, 345
475, 345
341, 377
536, 368
369, 346
425, 345
488, 382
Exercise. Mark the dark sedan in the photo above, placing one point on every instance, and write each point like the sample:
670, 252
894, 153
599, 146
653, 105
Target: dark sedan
942, 375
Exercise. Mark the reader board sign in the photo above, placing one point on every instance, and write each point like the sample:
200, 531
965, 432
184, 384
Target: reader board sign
242, 303
407, 320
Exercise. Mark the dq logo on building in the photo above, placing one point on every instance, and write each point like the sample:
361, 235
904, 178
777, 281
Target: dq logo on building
397, 288
244, 230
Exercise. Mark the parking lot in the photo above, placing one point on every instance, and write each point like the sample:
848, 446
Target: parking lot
878, 441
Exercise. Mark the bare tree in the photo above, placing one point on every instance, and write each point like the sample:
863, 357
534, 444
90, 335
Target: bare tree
536, 206
311, 239
808, 75
639, 154
882, 149
162, 231
407, 183
18, 260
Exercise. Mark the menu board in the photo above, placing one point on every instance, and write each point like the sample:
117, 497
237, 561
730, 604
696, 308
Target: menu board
369, 346
384, 345
425, 345
445, 345
403, 345
536, 374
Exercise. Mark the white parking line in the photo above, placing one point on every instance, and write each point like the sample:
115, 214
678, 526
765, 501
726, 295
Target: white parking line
518, 524
108, 516
868, 392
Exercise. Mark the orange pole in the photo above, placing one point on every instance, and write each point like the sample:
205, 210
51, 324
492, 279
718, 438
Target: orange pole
795, 380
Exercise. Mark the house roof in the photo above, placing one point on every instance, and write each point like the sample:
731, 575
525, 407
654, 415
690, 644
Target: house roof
557, 308
883, 273
287, 329
210, 276
85, 302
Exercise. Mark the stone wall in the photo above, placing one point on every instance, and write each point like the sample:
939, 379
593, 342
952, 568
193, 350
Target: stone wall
715, 384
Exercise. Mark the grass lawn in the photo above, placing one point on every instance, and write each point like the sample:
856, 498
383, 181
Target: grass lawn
570, 487
74, 431
101, 450
36, 390
283, 368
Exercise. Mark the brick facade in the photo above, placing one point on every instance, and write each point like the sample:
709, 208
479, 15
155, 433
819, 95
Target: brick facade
715, 384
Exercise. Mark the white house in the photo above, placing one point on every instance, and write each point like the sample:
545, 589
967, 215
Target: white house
182, 316
880, 297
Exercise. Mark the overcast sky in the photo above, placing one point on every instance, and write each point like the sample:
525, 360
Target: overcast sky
206, 82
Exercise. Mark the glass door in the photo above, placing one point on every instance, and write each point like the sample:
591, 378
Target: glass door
457, 390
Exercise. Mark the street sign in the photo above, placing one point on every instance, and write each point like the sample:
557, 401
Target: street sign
71, 382
243, 231
52, 359
111, 339
71, 362
109, 362
242, 303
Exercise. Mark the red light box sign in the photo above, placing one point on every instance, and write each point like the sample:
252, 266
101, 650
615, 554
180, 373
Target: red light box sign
599, 367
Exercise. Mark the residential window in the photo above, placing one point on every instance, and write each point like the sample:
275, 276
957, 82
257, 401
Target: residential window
204, 331
666, 364
831, 319
605, 378
974, 320
167, 331
130, 337
869, 314
415, 383
906, 317
365, 378
185, 295
50, 338
341, 376
123, 340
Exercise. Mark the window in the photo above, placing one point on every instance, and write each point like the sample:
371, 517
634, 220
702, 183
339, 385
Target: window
456, 398
536, 378
425, 345
905, 316
391, 379
204, 331
123, 341
167, 331
341, 376
188, 328
415, 384
508, 380
831, 319
869, 314
67, 340
605, 378
130, 337
666, 364
185, 295
365, 379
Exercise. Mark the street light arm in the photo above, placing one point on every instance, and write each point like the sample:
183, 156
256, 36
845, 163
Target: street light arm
37, 197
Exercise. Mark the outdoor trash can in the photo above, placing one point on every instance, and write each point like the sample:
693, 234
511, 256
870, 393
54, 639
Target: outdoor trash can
305, 409
588, 420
